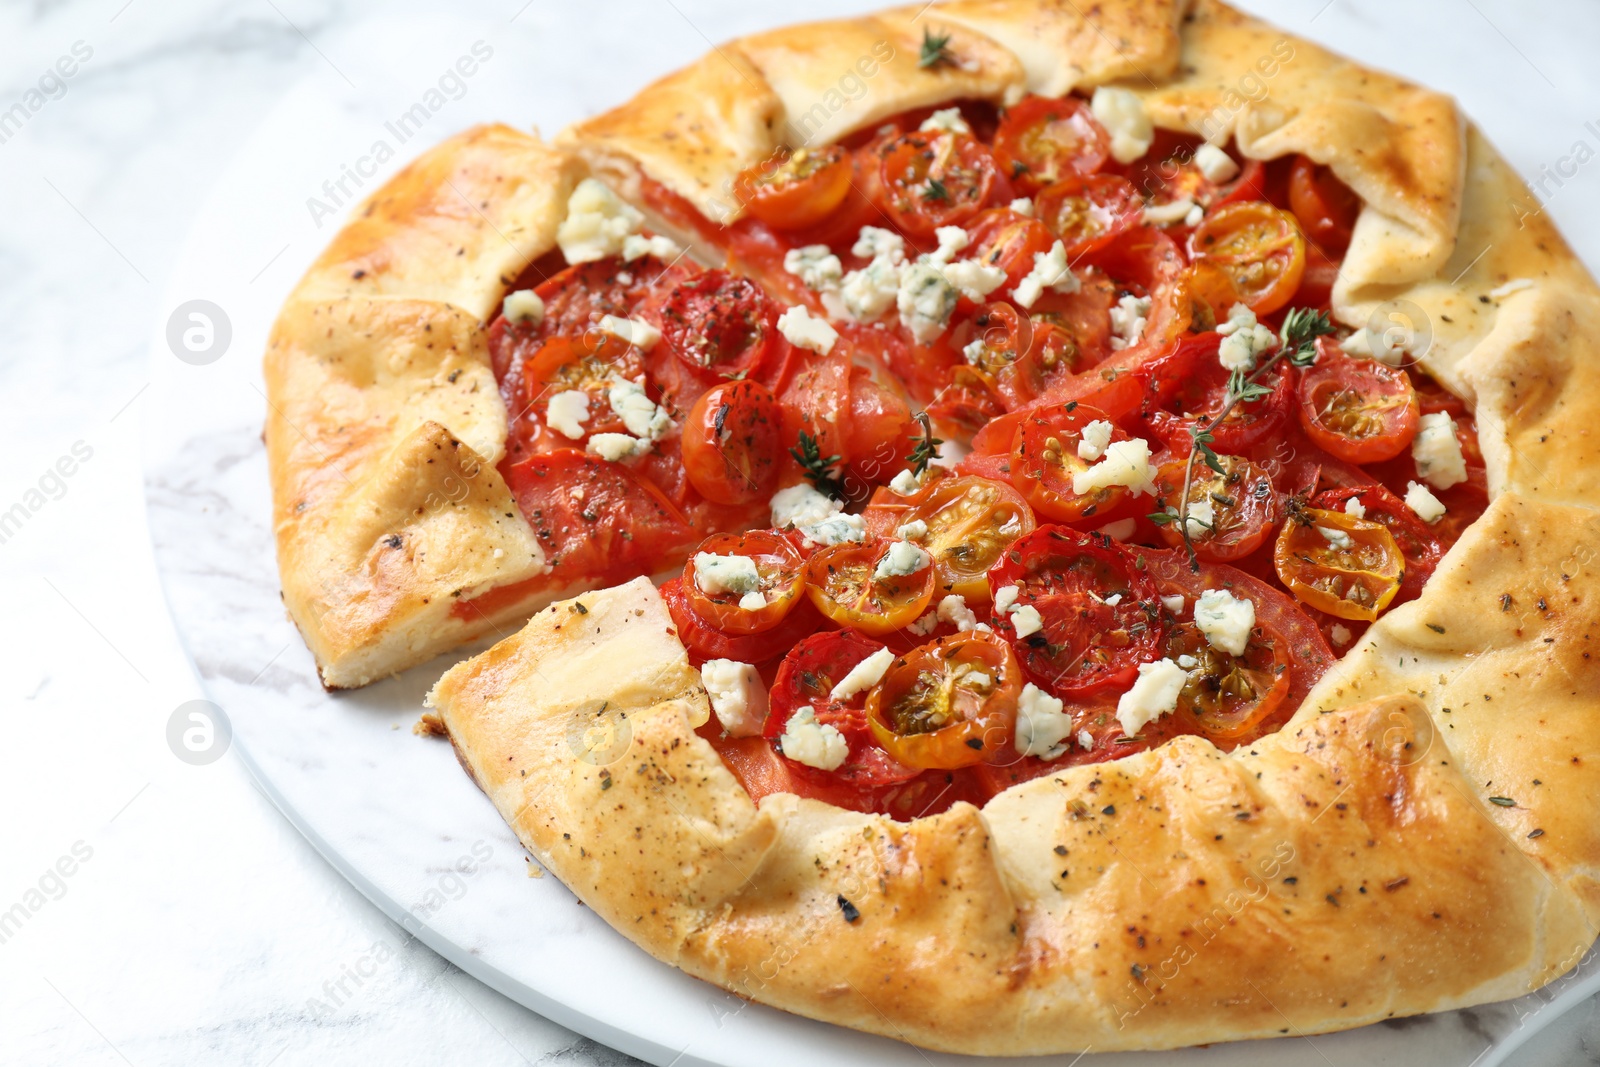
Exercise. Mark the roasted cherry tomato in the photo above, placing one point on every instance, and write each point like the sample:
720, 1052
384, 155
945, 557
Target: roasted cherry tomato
1088, 211
1098, 614
1230, 514
1203, 391
733, 439
781, 582
1228, 696
966, 404
1357, 409
705, 641
1418, 542
1338, 563
719, 325
947, 704
1020, 358
1043, 140
810, 671
970, 521
1002, 238
1167, 174
844, 583
1049, 454
590, 364
797, 189
1325, 206
1257, 248
932, 179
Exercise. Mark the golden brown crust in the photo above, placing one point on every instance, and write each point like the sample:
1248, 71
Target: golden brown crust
384, 418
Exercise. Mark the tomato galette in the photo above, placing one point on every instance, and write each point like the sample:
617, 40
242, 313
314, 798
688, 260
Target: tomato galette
1120, 519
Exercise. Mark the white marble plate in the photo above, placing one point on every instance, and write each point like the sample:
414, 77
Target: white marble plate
392, 812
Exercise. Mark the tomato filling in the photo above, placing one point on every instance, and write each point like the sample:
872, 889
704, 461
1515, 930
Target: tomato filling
1185, 491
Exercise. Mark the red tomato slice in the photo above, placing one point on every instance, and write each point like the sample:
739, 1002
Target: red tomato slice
718, 325
704, 641
1325, 206
1086, 646
1042, 140
1088, 211
597, 522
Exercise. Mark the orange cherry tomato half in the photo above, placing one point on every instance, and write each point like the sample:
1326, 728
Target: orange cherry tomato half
1046, 456
1358, 409
970, 521
947, 704
778, 563
798, 189
844, 583
1088, 211
1237, 509
1227, 696
733, 440
1325, 206
590, 364
1418, 541
1259, 249
1043, 140
1337, 563
931, 179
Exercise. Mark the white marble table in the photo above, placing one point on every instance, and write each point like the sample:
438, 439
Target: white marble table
168, 913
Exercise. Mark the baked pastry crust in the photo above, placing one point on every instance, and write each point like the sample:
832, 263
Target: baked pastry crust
1347, 869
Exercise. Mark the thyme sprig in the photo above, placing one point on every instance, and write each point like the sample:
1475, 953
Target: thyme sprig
935, 50
819, 469
1297, 342
927, 447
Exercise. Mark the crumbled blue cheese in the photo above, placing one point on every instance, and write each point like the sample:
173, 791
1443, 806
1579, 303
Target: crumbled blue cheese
738, 696
1355, 507
815, 744
905, 483
1340, 634
915, 530
1215, 164
864, 675
636, 245
975, 351
1042, 725
616, 447
1515, 285
1125, 119
953, 610
1225, 619
636, 332
834, 530
1429, 508
867, 293
567, 411
1022, 206
637, 411
952, 239
1154, 694
1243, 339
803, 331
716, 574
924, 625
1050, 271
1026, 620
1093, 439
1173, 603
801, 503
1188, 662
1005, 598
1085, 740
1167, 214
1120, 530
816, 266
1200, 517
1126, 463
1389, 347
1437, 451
902, 560
926, 300
945, 120
874, 242
975, 280
1336, 538
753, 601
523, 307
597, 223
1128, 320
